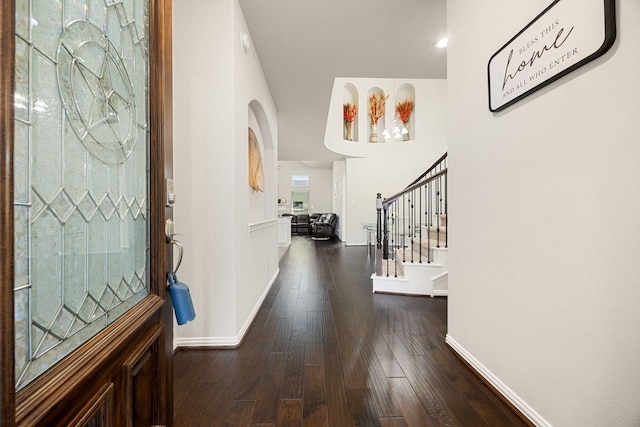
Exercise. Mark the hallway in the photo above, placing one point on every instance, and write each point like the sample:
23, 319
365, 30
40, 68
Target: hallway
325, 351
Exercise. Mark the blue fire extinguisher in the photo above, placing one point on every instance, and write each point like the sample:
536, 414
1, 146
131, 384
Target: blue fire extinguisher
180, 295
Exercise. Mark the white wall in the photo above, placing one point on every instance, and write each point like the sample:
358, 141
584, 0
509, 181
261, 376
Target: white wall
339, 179
257, 251
390, 167
544, 211
320, 189
227, 268
259, 208
427, 123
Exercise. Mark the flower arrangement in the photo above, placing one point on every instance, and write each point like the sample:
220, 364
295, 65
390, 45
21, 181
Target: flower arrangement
377, 102
404, 109
349, 112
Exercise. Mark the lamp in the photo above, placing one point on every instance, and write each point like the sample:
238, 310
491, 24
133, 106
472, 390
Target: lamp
395, 131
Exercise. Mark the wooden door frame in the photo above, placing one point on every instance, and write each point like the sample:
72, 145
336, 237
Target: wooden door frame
161, 116
161, 108
7, 373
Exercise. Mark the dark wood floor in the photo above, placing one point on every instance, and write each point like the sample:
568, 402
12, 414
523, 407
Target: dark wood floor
325, 351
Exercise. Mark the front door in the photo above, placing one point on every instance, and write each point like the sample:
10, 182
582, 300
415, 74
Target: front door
85, 149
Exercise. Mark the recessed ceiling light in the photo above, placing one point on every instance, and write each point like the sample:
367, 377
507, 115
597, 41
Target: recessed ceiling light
442, 43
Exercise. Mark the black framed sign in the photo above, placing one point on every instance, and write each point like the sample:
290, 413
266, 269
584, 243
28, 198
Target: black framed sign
564, 37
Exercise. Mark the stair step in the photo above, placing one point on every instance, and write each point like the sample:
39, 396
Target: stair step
440, 285
414, 278
417, 255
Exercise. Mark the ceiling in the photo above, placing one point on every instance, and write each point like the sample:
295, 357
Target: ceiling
304, 44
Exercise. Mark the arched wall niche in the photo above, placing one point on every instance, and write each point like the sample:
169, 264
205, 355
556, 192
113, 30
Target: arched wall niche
262, 203
350, 97
374, 133
406, 92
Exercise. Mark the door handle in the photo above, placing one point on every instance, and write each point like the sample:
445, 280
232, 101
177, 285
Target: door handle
180, 251
180, 295
169, 235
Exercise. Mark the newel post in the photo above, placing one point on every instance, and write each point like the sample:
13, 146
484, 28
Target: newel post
379, 235
379, 221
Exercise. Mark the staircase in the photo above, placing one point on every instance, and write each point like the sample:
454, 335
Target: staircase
411, 237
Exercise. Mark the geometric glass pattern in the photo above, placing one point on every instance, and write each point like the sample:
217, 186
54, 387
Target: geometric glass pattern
81, 162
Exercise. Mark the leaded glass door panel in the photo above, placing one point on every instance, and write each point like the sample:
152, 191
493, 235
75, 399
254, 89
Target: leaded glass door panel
90, 319
81, 206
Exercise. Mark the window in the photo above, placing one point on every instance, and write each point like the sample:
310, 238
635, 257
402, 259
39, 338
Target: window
300, 180
300, 201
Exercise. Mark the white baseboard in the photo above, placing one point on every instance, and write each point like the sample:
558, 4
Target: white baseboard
399, 285
227, 342
214, 342
440, 285
501, 387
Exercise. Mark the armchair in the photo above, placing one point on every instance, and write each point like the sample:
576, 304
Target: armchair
325, 226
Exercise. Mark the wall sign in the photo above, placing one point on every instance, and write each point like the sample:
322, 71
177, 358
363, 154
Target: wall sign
564, 37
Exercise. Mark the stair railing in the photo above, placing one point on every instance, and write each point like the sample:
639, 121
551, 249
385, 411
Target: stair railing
412, 222
437, 166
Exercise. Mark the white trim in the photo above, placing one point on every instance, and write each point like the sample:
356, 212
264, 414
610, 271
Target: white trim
262, 224
256, 308
217, 342
501, 387
395, 285
227, 341
440, 285
441, 275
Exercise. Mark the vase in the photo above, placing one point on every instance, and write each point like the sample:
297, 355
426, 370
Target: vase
405, 137
374, 132
347, 127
